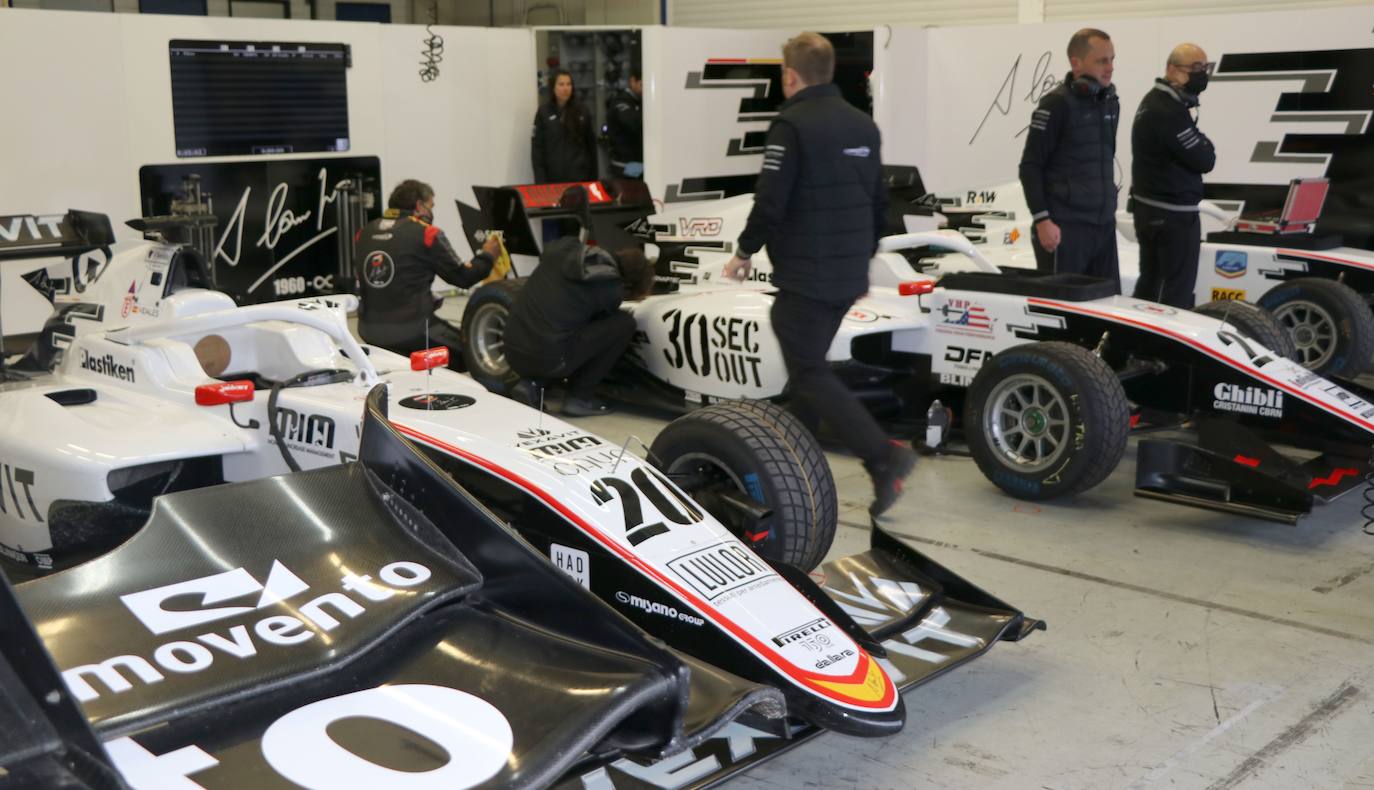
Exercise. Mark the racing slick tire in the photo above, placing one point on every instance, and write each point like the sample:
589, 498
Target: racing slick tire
1330, 324
760, 452
1046, 420
1254, 322
484, 326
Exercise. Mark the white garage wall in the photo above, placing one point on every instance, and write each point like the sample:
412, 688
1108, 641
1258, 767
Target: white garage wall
94, 105
977, 107
1059, 10
76, 137
829, 15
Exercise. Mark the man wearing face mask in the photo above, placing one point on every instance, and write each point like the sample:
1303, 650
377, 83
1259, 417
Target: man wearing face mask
399, 255
1169, 154
1068, 167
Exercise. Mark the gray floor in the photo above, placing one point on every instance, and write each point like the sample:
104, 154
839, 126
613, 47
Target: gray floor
1186, 649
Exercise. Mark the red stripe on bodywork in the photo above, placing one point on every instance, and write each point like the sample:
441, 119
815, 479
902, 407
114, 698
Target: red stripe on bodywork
1329, 258
1333, 478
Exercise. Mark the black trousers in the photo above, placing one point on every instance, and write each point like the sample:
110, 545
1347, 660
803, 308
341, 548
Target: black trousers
586, 360
1169, 245
1083, 249
441, 333
805, 328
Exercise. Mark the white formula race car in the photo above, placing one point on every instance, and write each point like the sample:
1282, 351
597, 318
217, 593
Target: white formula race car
271, 607
1318, 290
1045, 367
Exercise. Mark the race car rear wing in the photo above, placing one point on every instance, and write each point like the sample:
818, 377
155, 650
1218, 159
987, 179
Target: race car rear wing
54, 235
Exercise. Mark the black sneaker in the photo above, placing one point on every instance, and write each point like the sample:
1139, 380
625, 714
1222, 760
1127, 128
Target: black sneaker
585, 407
888, 477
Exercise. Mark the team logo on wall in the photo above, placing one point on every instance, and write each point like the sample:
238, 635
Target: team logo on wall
378, 269
1230, 263
1323, 97
762, 78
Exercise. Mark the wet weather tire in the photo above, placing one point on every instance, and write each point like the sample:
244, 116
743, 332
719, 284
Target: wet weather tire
1046, 420
1330, 324
484, 326
761, 450
1254, 322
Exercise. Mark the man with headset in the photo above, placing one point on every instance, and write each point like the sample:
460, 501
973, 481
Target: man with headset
1169, 154
1068, 166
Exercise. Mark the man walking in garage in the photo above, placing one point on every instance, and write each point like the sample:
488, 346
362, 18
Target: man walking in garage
1068, 167
820, 206
1169, 154
399, 255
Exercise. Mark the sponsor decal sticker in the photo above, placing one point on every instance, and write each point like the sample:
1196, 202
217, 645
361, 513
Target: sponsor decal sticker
702, 226
1230, 263
313, 433
1260, 401
17, 484
379, 269
725, 348
574, 562
654, 607
234, 594
861, 315
963, 317
1154, 309
716, 570
569, 453
1223, 294
437, 401
107, 366
807, 634
130, 300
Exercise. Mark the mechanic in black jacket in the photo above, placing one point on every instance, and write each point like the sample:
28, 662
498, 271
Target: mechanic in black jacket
399, 255
563, 149
625, 128
1068, 167
567, 322
820, 206
1169, 154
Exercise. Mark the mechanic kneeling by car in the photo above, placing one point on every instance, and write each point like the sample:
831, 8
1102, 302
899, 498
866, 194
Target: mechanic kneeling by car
567, 322
399, 255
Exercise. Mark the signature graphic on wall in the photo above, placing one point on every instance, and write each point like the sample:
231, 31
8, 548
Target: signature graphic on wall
277, 235
1041, 81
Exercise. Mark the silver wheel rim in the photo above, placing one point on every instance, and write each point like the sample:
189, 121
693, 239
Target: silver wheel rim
1028, 423
1313, 331
489, 338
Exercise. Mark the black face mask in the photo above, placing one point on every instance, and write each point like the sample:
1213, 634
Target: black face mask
1197, 82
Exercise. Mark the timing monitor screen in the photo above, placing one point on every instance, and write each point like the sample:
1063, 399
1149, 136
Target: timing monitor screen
253, 98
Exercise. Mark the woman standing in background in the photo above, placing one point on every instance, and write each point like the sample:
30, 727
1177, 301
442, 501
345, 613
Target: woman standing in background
563, 148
